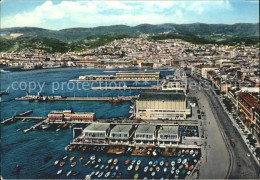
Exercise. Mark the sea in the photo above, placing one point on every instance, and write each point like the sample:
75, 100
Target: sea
29, 150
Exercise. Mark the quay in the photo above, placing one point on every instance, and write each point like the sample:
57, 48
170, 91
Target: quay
125, 88
4, 93
14, 118
33, 127
59, 98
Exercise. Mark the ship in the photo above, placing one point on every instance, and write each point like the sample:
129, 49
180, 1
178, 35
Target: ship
115, 100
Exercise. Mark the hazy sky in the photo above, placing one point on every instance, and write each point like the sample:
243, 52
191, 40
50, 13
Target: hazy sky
60, 14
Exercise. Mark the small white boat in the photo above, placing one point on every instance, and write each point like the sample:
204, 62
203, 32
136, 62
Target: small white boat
173, 168
193, 155
145, 168
145, 178
88, 177
195, 160
57, 130
150, 163
191, 152
117, 167
177, 171
176, 176
173, 163
109, 161
56, 162
133, 162
59, 171
184, 161
154, 153
100, 174
188, 172
139, 162
165, 169
97, 173
24, 120
107, 174
183, 151
179, 161
130, 167
161, 163
99, 160
68, 173
93, 157
65, 157
153, 173
96, 166
92, 173
102, 166
172, 171
18, 130
181, 166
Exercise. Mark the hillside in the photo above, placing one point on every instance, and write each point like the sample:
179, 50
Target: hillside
76, 34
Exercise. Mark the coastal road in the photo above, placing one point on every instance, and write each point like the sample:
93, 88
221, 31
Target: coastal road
243, 166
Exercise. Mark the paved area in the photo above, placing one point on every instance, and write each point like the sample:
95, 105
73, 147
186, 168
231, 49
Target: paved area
243, 166
215, 162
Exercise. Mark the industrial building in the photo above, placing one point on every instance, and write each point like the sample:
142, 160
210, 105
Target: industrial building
162, 105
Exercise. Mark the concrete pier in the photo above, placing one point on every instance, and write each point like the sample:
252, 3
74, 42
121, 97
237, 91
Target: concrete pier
14, 118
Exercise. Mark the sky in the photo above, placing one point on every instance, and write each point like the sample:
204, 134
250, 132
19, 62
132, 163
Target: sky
58, 14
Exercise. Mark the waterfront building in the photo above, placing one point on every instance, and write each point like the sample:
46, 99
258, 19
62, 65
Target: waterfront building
145, 135
69, 115
96, 133
168, 136
162, 105
125, 76
249, 109
121, 134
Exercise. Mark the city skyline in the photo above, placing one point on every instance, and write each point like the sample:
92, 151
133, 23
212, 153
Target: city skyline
68, 14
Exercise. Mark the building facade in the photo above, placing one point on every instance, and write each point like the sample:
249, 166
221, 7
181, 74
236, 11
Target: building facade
159, 105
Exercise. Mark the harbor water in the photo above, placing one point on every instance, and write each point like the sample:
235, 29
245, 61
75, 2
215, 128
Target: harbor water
29, 150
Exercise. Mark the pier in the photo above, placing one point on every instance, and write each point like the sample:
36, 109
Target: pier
125, 88
15, 117
33, 127
58, 98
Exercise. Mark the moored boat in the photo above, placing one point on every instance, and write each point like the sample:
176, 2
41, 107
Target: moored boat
119, 175
73, 164
151, 169
109, 161
186, 166
179, 161
113, 174
187, 151
117, 167
166, 164
93, 157
161, 163
138, 162
165, 169
100, 174
107, 174
99, 159
65, 157
150, 163
127, 162
191, 152
153, 173
196, 152
62, 163
157, 169
96, 166
106, 167
81, 158
136, 176
177, 171
102, 166
59, 172
96, 173
136, 167
87, 163
112, 167
184, 161
72, 158
68, 173
56, 162
133, 162
115, 161
145, 168
173, 163
155, 163
130, 167
191, 167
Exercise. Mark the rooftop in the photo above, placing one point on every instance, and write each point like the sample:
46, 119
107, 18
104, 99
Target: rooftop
250, 99
168, 130
97, 127
121, 128
146, 129
159, 95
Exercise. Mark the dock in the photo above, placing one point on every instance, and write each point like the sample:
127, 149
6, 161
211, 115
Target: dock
51, 98
33, 127
125, 88
14, 118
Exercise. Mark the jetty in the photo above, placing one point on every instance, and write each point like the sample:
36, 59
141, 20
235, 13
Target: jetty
59, 98
14, 118
125, 88
33, 127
